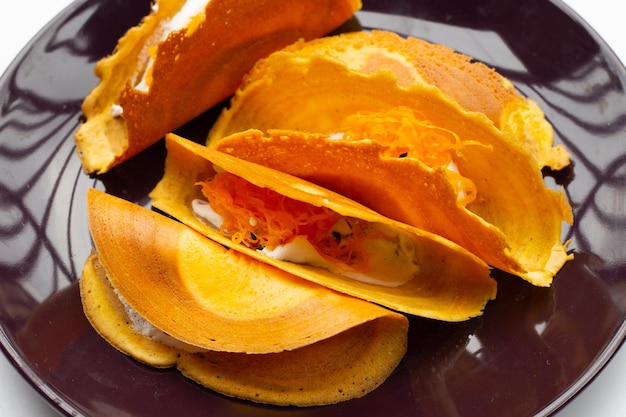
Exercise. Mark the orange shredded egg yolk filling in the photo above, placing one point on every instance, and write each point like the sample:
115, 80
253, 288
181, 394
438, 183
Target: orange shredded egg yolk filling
262, 218
405, 134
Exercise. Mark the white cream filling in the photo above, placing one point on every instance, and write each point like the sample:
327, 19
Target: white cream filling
299, 251
336, 136
116, 110
452, 167
391, 258
203, 209
190, 9
147, 329
180, 20
392, 262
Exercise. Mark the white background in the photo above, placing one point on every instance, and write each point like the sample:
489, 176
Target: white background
21, 20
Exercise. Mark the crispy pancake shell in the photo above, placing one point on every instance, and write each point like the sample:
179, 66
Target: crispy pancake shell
505, 226
194, 68
471, 84
207, 296
521, 217
344, 366
453, 285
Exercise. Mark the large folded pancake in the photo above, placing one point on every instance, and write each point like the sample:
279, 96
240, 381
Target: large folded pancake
154, 82
200, 293
513, 224
452, 284
473, 85
240, 327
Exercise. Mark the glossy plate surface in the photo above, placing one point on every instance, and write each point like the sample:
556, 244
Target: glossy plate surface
532, 350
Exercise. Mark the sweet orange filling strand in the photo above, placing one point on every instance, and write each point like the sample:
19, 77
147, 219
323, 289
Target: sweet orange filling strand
259, 217
406, 134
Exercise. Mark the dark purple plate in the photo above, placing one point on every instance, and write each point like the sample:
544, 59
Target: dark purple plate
533, 349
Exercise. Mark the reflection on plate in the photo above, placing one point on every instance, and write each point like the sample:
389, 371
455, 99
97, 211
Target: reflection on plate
530, 352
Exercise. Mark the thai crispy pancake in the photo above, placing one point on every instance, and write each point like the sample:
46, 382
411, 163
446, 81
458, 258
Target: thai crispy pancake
204, 295
452, 284
154, 83
522, 217
473, 85
345, 365
505, 226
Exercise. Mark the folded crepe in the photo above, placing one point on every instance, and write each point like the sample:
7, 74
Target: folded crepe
183, 58
167, 296
471, 84
385, 261
405, 150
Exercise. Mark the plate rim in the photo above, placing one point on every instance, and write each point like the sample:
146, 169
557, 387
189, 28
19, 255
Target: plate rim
60, 404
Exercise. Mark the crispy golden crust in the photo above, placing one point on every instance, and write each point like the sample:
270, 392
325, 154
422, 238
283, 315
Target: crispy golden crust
473, 85
514, 224
452, 285
207, 296
193, 69
522, 218
347, 364
341, 368
108, 317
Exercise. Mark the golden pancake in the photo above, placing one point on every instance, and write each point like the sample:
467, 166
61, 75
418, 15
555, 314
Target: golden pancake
108, 316
451, 284
473, 85
512, 223
347, 365
207, 296
341, 368
183, 58
519, 218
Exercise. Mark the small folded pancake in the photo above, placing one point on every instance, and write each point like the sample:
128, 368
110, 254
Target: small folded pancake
183, 58
344, 366
521, 217
207, 296
473, 85
452, 285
